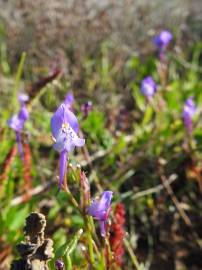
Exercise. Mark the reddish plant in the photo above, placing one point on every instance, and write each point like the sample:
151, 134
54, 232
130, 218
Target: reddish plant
117, 233
7, 163
27, 170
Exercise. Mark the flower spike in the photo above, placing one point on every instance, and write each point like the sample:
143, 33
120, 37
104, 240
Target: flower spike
188, 113
17, 121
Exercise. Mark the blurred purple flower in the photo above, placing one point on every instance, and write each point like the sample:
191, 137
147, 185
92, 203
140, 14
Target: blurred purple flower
188, 113
65, 127
17, 121
69, 100
23, 98
163, 39
86, 108
100, 209
59, 264
148, 86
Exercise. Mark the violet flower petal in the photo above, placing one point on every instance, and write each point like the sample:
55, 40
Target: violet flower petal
61, 116
15, 123
105, 200
94, 211
163, 39
189, 108
78, 141
188, 113
67, 139
71, 119
23, 98
23, 114
60, 139
99, 209
148, 86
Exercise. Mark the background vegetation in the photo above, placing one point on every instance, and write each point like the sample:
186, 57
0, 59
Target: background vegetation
139, 150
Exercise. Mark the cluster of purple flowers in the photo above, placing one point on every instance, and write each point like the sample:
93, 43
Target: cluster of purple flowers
148, 85
65, 129
65, 133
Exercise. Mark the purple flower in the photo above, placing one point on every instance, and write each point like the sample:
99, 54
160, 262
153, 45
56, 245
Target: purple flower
86, 108
100, 209
59, 264
163, 39
23, 98
148, 86
188, 113
64, 127
17, 121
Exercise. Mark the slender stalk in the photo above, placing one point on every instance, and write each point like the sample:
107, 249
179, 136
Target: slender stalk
132, 254
86, 220
72, 199
69, 263
103, 258
90, 240
89, 161
109, 256
18, 77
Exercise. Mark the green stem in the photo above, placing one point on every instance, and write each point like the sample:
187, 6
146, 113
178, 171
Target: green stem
103, 258
72, 199
18, 77
68, 262
90, 240
132, 254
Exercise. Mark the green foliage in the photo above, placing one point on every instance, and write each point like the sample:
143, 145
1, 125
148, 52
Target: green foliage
94, 126
127, 160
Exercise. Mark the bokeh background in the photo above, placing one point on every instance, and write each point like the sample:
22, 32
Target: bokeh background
103, 50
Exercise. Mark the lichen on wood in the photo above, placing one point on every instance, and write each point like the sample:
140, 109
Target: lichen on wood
35, 251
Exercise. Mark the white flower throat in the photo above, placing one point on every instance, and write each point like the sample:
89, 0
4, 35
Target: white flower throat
68, 131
